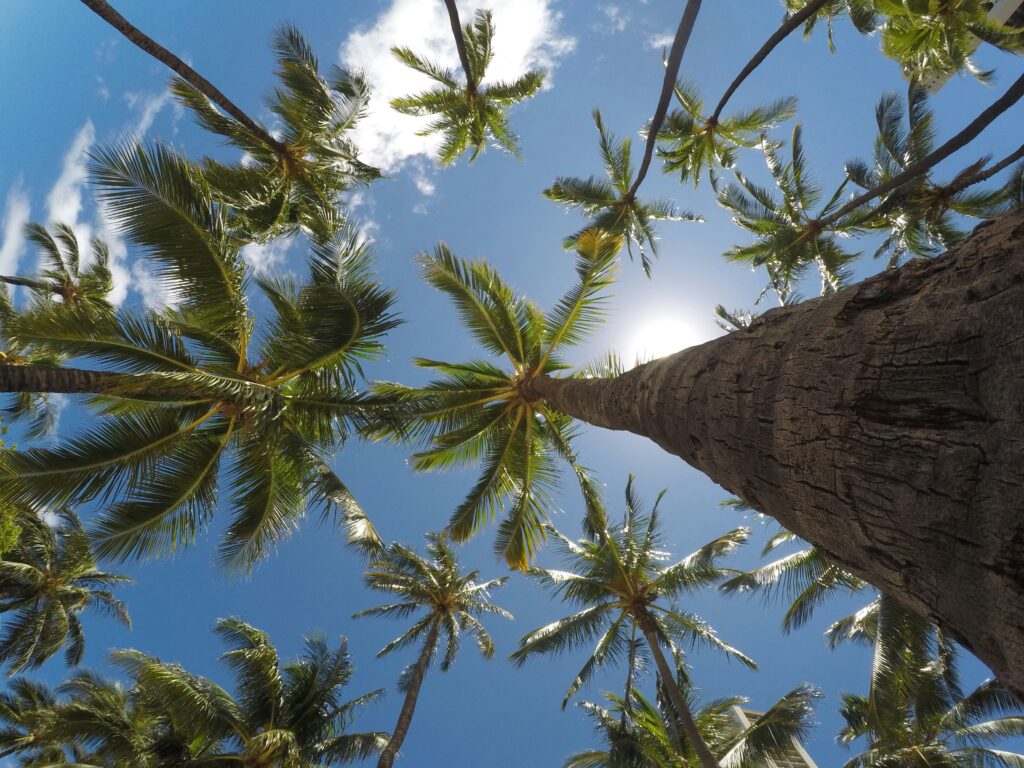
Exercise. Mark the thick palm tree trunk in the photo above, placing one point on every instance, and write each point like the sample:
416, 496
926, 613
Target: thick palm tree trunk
668, 679
138, 38
388, 754
883, 423
45, 378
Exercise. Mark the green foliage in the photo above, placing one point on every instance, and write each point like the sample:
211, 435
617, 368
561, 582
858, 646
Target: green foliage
920, 217
478, 413
620, 582
193, 392
691, 142
47, 579
296, 183
467, 114
641, 734
915, 712
445, 600
789, 237
611, 205
289, 715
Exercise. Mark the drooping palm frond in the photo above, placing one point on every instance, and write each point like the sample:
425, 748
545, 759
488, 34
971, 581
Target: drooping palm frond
862, 13
480, 413
296, 182
467, 113
46, 581
609, 203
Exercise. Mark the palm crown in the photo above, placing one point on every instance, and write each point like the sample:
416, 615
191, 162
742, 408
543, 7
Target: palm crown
918, 219
621, 581
789, 237
478, 412
290, 715
639, 733
46, 581
691, 142
612, 205
186, 387
296, 183
467, 114
915, 713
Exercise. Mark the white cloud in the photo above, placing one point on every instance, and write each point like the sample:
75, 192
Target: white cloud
147, 107
617, 19
64, 202
101, 89
16, 213
424, 184
153, 291
264, 257
527, 37
657, 42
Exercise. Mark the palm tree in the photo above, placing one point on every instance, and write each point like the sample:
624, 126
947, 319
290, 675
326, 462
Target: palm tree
863, 14
27, 716
916, 715
63, 275
467, 114
479, 412
789, 236
619, 580
182, 389
285, 715
691, 142
919, 217
290, 182
642, 734
446, 602
294, 183
46, 581
611, 204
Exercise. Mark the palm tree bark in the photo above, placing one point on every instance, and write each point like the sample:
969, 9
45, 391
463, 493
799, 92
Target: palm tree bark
882, 423
141, 40
460, 43
668, 679
387, 756
46, 378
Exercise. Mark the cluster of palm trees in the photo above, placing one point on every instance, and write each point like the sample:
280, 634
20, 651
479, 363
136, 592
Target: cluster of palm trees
202, 401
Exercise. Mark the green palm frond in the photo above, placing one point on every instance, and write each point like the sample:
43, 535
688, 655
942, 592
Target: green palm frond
479, 414
609, 204
467, 113
620, 581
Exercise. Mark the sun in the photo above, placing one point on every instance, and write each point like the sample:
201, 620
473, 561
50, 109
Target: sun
658, 336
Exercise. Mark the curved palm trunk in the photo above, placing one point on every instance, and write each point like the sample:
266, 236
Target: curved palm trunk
883, 423
668, 678
138, 38
45, 378
387, 756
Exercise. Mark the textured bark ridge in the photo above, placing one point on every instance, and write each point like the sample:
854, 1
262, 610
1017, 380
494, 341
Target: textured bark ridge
44, 378
884, 424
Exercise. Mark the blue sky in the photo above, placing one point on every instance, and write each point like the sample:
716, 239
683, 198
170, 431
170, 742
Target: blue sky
67, 82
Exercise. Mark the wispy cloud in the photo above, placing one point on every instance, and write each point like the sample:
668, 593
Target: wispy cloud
16, 213
268, 256
616, 19
146, 107
662, 40
527, 37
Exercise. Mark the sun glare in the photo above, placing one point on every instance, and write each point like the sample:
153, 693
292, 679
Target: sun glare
658, 337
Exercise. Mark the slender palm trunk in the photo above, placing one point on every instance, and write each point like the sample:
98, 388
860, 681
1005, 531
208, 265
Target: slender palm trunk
45, 378
675, 58
138, 38
460, 43
882, 423
668, 679
788, 26
387, 756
